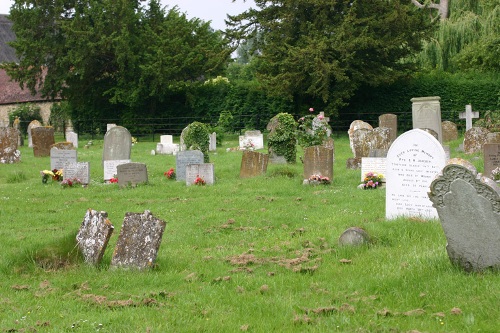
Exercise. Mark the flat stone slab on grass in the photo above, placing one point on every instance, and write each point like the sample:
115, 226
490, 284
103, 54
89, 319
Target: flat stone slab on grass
93, 236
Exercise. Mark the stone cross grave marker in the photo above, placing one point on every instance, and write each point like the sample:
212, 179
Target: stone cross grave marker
131, 174
426, 113
390, 121
8, 146
318, 160
413, 161
43, 139
33, 124
254, 138
491, 158
468, 115
183, 159
139, 241
469, 211
205, 171
110, 168
117, 144
59, 157
78, 170
253, 164
94, 235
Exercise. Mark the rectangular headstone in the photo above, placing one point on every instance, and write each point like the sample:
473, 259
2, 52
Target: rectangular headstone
72, 137
254, 138
167, 146
205, 171
318, 160
166, 139
131, 174
185, 158
79, 170
491, 157
117, 144
373, 164
59, 157
253, 164
426, 113
8, 146
139, 241
33, 124
212, 142
413, 161
43, 139
389, 121
110, 168
94, 235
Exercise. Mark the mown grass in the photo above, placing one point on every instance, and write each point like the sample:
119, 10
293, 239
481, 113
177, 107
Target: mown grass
253, 255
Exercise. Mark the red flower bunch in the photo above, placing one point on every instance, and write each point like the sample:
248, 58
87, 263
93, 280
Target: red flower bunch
113, 180
170, 174
199, 181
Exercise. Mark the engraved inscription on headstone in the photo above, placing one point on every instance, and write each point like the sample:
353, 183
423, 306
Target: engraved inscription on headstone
426, 113
131, 174
491, 158
93, 236
205, 171
184, 158
59, 157
79, 170
117, 144
318, 160
110, 168
373, 164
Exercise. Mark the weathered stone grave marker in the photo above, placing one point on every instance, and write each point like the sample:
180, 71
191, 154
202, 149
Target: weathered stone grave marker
59, 157
253, 139
413, 161
364, 141
491, 158
450, 131
468, 115
426, 113
8, 146
110, 168
185, 158
33, 124
469, 211
373, 164
139, 241
78, 170
167, 145
474, 139
390, 121
94, 235
354, 236
117, 144
205, 171
253, 164
131, 174
318, 161
212, 142
43, 139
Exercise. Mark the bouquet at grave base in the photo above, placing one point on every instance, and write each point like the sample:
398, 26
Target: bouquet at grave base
113, 180
372, 180
319, 179
249, 145
199, 181
170, 174
46, 174
71, 182
58, 175
495, 174
134, 140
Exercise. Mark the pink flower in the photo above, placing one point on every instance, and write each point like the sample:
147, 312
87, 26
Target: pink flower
311, 110
320, 117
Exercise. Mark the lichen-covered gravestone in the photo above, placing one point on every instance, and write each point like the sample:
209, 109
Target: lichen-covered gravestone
43, 139
474, 139
117, 144
318, 161
469, 211
8, 146
253, 164
139, 241
93, 236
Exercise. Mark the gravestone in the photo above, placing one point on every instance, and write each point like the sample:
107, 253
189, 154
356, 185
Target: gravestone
321, 122
469, 211
110, 126
16, 124
426, 113
110, 168
253, 164
491, 158
33, 124
131, 174
318, 160
59, 157
493, 137
364, 140
450, 131
139, 241
389, 121
413, 161
78, 170
8, 146
252, 138
205, 171
378, 152
468, 115
282, 139
94, 235
43, 139
474, 139
356, 125
373, 164
354, 236
167, 145
183, 159
117, 144
72, 137
212, 142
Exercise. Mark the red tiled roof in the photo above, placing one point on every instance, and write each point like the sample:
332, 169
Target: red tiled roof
11, 93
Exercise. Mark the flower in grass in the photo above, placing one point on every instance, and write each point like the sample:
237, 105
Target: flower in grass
46, 174
170, 174
199, 181
71, 182
113, 180
372, 180
134, 140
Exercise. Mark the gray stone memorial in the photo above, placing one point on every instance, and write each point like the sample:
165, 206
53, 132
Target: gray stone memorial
131, 174
354, 236
426, 113
253, 139
318, 160
469, 211
450, 131
94, 235
33, 124
491, 158
389, 121
413, 161
110, 168
183, 159
8, 146
253, 164
212, 144
139, 241
373, 164
474, 139
78, 170
59, 157
72, 137
205, 171
117, 144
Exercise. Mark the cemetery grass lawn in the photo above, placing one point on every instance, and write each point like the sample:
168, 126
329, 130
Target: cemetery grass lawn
255, 255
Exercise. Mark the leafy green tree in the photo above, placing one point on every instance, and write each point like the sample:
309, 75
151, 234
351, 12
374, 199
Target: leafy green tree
322, 50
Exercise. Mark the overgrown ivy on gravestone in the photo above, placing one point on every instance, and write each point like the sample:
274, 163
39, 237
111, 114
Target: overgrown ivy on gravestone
282, 137
196, 137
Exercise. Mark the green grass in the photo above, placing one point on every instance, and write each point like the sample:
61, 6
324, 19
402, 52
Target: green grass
255, 255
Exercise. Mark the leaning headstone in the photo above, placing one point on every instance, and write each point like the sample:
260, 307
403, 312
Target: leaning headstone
94, 235
139, 241
43, 139
253, 164
117, 144
354, 236
111, 168
212, 143
59, 157
474, 139
8, 146
318, 161
389, 121
183, 159
413, 161
205, 171
253, 139
491, 158
131, 174
33, 124
426, 113
469, 211
450, 131
78, 170
468, 115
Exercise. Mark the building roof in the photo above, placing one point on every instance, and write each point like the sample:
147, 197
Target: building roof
7, 53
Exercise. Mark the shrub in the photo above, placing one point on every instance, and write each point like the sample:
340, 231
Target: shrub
196, 138
26, 113
282, 139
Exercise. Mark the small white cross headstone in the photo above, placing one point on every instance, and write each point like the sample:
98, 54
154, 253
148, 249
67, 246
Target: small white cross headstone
468, 115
